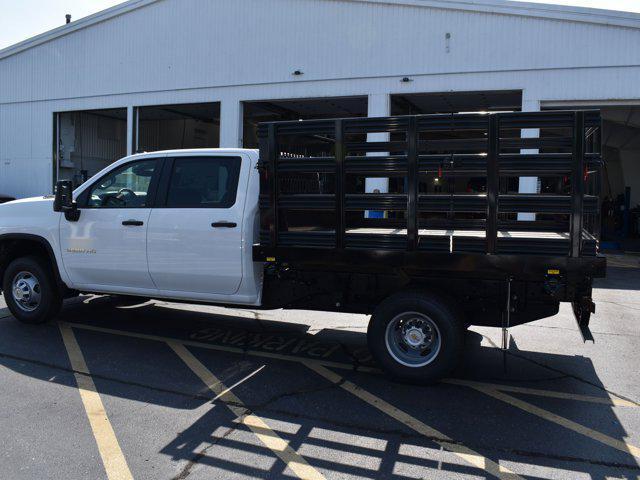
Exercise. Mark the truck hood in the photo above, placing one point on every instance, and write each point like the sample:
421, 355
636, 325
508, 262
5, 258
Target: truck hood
26, 205
41, 199
28, 215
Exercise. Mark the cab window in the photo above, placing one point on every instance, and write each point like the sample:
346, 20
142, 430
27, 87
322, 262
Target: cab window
125, 187
203, 182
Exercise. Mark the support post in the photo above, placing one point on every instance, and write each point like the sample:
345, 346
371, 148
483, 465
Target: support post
598, 182
412, 197
528, 184
379, 105
131, 127
231, 124
339, 195
272, 159
56, 152
577, 184
493, 133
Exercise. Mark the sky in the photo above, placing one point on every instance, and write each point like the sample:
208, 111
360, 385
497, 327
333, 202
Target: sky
22, 19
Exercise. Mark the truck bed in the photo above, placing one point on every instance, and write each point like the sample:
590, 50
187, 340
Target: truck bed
454, 178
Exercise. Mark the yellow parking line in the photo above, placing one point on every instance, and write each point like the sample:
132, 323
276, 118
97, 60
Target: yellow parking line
222, 348
618, 402
564, 422
112, 457
271, 439
488, 388
613, 401
441, 439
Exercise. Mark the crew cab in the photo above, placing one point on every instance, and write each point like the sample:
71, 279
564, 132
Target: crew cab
224, 227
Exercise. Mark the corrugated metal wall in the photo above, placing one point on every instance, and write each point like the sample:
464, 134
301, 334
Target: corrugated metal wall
175, 51
194, 43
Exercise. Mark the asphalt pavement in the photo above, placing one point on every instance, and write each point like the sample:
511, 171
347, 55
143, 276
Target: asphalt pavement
117, 389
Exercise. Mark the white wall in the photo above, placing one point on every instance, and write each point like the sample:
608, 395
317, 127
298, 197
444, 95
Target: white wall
26, 141
199, 43
185, 51
26, 148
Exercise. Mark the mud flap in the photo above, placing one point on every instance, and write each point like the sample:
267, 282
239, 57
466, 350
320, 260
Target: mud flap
582, 310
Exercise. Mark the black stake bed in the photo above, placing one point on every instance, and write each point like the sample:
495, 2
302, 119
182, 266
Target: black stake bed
453, 201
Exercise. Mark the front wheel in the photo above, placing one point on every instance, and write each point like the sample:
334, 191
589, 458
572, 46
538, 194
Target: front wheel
30, 290
416, 337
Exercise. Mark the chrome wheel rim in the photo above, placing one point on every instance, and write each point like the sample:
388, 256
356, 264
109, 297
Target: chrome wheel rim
26, 291
413, 339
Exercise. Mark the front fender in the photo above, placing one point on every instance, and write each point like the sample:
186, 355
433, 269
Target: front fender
34, 219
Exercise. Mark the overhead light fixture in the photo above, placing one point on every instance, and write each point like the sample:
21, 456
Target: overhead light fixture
297, 73
406, 80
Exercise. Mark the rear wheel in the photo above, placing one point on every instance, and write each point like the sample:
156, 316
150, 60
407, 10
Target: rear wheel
416, 337
30, 291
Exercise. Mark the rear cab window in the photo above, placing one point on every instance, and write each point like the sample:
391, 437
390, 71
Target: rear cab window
203, 182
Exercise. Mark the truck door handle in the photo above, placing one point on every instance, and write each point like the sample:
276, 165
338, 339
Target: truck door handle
224, 224
133, 223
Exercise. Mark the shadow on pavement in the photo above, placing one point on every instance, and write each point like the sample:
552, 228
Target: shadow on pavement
316, 412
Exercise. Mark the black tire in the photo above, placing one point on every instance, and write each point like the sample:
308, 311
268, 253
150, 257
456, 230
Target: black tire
50, 297
442, 319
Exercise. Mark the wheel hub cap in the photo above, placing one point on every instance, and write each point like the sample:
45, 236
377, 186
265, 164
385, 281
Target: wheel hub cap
26, 291
413, 339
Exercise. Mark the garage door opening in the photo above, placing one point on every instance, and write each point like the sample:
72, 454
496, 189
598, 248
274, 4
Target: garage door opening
87, 141
165, 127
456, 102
621, 183
620, 148
300, 109
444, 181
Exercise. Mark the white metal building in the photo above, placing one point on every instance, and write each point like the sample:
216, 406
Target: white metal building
155, 74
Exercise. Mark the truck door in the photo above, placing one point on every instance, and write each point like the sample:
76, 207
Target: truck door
195, 229
107, 246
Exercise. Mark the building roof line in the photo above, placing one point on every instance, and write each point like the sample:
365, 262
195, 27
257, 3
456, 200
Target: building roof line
74, 26
506, 7
527, 9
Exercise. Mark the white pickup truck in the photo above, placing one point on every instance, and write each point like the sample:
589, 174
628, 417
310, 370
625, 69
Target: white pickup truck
200, 226
120, 238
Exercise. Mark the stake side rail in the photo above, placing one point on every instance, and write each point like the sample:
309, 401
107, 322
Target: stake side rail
314, 175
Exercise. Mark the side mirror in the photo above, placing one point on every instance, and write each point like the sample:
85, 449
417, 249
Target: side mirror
63, 201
